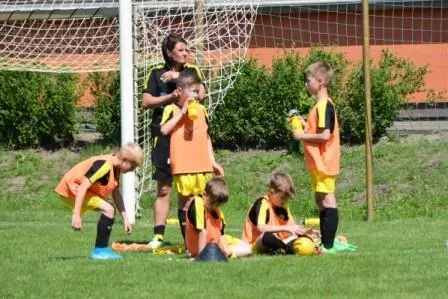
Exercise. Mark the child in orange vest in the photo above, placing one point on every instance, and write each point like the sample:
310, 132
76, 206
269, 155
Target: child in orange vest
191, 154
88, 185
205, 222
322, 150
269, 225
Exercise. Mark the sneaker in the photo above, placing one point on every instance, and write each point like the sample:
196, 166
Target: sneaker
323, 250
155, 243
342, 246
99, 253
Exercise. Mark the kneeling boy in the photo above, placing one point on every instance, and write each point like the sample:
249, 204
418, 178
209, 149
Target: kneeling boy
205, 222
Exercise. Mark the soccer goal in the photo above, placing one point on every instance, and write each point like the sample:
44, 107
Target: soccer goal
84, 36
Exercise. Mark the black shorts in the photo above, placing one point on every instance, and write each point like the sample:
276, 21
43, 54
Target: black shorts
160, 156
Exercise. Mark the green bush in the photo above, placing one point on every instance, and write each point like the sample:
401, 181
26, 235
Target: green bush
105, 87
243, 121
37, 109
392, 80
254, 111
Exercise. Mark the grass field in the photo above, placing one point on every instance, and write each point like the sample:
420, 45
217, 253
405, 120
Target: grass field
402, 254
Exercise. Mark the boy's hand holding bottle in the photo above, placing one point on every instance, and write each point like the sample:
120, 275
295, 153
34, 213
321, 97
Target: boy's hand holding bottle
295, 120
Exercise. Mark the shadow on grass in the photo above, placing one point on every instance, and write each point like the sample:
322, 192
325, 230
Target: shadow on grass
128, 242
67, 258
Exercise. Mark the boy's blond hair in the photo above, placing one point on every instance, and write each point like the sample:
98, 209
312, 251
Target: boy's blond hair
217, 190
320, 70
132, 152
281, 182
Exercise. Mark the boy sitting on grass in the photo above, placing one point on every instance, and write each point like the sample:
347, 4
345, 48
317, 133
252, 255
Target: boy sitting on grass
269, 226
88, 185
205, 222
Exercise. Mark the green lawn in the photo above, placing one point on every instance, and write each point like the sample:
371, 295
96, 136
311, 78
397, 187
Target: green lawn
42, 257
403, 253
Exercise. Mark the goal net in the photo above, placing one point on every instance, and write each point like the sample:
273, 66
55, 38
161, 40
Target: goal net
83, 36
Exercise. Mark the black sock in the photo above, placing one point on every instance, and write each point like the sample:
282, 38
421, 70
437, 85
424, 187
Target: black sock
323, 225
103, 231
273, 244
332, 220
330, 226
182, 216
159, 232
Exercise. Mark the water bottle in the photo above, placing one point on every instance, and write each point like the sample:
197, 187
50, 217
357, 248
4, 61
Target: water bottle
310, 222
294, 120
192, 109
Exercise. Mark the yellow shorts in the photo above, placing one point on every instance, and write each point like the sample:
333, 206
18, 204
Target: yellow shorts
191, 184
231, 241
88, 205
321, 182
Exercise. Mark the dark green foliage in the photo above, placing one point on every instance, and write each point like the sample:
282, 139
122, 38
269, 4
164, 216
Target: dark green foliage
393, 79
243, 118
254, 111
105, 87
37, 109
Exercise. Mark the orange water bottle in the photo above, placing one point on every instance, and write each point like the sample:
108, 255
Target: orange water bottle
294, 120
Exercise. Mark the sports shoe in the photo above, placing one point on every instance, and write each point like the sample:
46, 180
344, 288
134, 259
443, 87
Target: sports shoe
323, 250
104, 253
343, 246
155, 243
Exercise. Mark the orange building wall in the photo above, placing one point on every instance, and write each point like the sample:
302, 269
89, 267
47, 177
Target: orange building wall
435, 56
417, 33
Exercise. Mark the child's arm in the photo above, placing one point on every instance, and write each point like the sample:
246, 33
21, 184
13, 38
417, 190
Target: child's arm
217, 169
79, 199
293, 228
152, 102
169, 126
321, 137
120, 206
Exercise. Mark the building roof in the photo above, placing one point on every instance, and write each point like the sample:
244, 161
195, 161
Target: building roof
60, 9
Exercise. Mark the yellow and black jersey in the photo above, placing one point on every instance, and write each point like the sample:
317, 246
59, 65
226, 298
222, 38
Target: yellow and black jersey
99, 172
168, 113
326, 117
197, 215
325, 156
156, 87
259, 212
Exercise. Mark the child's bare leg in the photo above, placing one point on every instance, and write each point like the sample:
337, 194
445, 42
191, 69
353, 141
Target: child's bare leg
241, 249
161, 208
182, 213
319, 198
329, 217
104, 227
